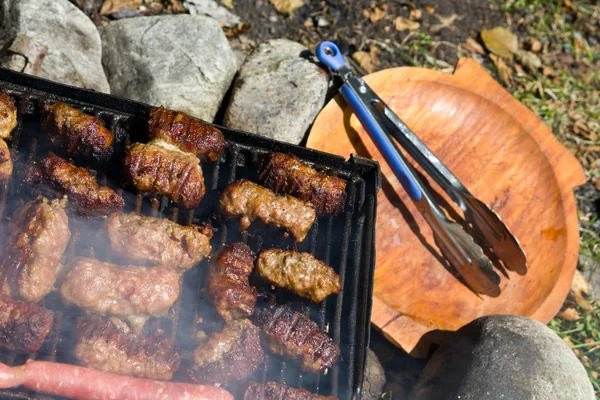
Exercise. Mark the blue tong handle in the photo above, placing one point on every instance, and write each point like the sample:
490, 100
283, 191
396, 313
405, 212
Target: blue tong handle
330, 55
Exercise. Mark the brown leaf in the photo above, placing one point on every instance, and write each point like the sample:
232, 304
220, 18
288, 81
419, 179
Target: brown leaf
415, 14
472, 46
367, 61
227, 3
579, 287
596, 182
446, 21
286, 6
239, 29
570, 314
535, 45
504, 71
500, 41
405, 24
113, 6
377, 14
529, 60
430, 9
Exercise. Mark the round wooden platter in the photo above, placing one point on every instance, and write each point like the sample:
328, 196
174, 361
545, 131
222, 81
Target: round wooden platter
506, 157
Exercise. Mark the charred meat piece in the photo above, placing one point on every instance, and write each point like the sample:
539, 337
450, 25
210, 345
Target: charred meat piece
250, 201
227, 282
285, 173
85, 196
133, 293
23, 325
79, 133
34, 249
188, 134
8, 115
277, 391
300, 273
232, 354
294, 335
158, 241
6, 164
104, 346
162, 169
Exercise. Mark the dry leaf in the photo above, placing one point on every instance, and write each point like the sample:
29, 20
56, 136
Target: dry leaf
405, 24
504, 71
430, 9
500, 41
239, 29
472, 46
579, 287
112, 6
597, 183
286, 6
570, 314
446, 21
415, 14
367, 61
377, 14
535, 45
227, 3
529, 60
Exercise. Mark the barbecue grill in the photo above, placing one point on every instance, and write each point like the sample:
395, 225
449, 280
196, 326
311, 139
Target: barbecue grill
345, 241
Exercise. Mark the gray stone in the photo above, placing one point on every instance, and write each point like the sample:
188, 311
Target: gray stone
277, 93
73, 44
212, 9
180, 61
504, 357
591, 272
374, 377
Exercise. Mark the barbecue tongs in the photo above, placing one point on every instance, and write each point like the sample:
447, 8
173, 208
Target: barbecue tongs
456, 245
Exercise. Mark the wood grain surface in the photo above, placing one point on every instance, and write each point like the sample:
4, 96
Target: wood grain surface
506, 157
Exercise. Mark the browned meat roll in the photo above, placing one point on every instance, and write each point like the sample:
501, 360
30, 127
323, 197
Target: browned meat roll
232, 354
133, 293
250, 201
188, 134
8, 115
227, 285
277, 391
285, 173
158, 241
31, 260
23, 326
300, 273
294, 335
104, 346
85, 196
6, 164
156, 168
79, 133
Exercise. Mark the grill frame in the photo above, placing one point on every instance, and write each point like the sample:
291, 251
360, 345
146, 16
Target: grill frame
359, 214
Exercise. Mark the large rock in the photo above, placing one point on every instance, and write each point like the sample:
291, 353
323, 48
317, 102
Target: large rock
180, 61
73, 44
277, 92
504, 357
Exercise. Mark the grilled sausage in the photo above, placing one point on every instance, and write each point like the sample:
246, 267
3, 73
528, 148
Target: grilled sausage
294, 335
79, 133
284, 173
232, 354
8, 115
277, 391
227, 285
6, 164
300, 273
80, 383
103, 346
126, 292
250, 201
160, 168
23, 326
85, 196
158, 241
188, 134
34, 250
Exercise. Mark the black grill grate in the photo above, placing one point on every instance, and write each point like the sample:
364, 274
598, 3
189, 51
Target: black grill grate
345, 241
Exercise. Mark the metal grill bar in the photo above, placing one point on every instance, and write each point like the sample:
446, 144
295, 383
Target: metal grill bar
344, 241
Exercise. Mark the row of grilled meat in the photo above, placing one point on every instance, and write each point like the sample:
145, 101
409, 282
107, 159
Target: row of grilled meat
161, 250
